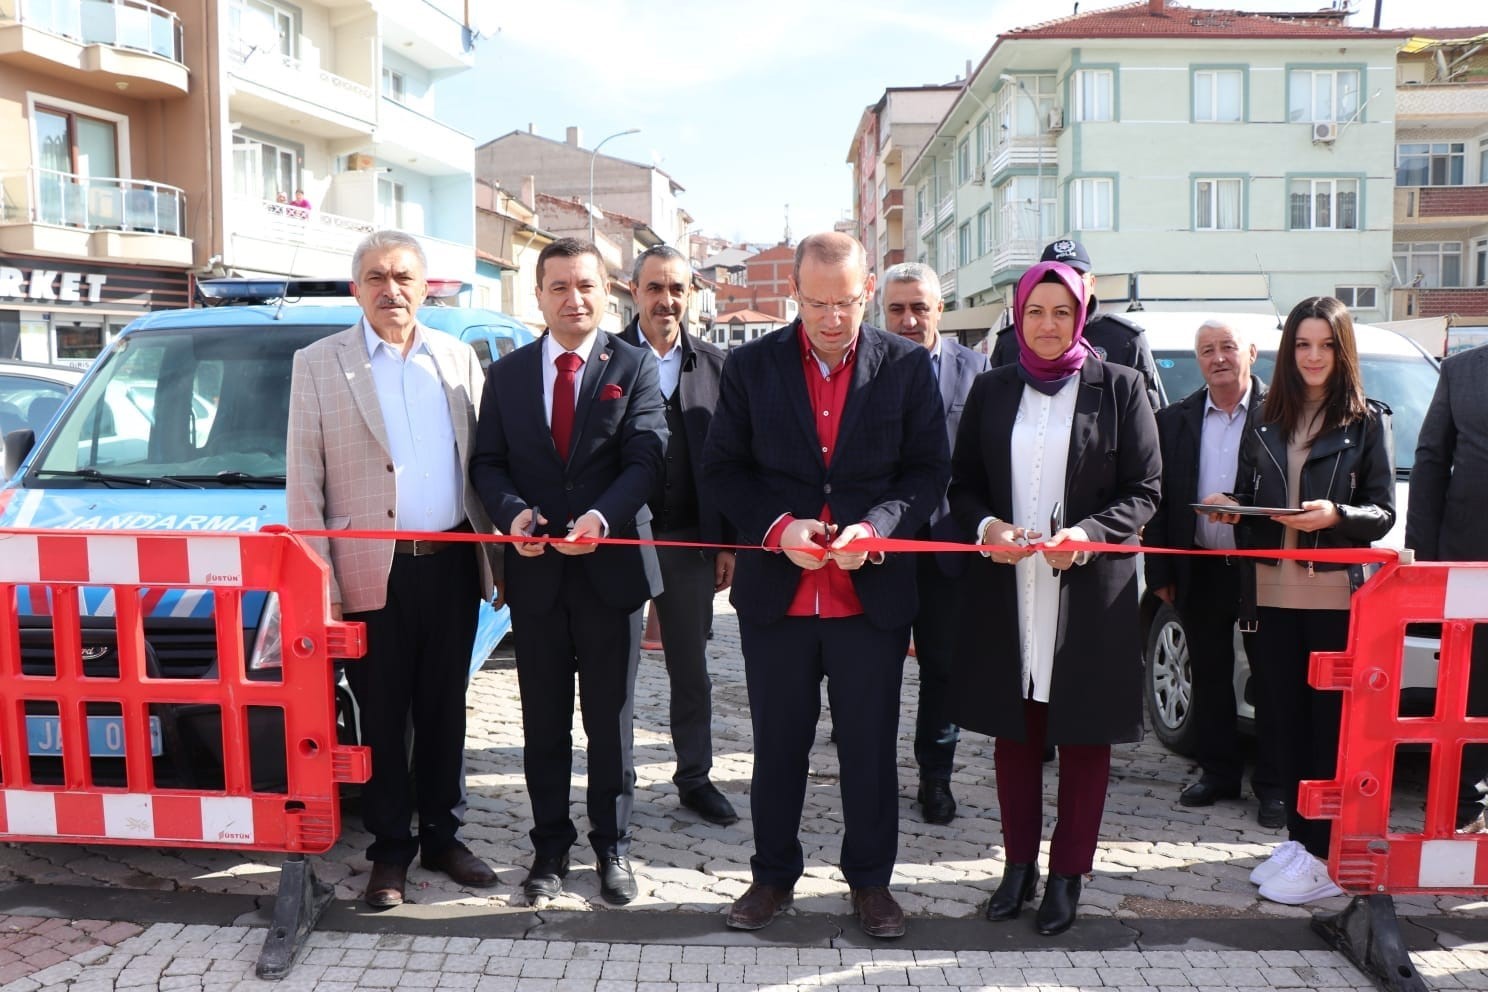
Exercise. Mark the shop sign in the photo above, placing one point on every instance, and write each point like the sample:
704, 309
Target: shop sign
51, 285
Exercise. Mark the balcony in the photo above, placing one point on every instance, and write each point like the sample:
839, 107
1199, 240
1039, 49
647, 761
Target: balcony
1463, 302
310, 99
1440, 206
1456, 105
945, 209
894, 256
426, 145
431, 32
58, 213
1017, 254
1024, 153
893, 200
125, 46
947, 284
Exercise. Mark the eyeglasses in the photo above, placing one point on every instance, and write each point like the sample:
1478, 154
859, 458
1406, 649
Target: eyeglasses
822, 309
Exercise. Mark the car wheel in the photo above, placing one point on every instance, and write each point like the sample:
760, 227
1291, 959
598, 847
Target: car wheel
1168, 684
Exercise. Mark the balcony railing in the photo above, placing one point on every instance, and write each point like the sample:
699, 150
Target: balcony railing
1466, 301
91, 203
132, 24
893, 199
1428, 203
312, 228
945, 209
294, 78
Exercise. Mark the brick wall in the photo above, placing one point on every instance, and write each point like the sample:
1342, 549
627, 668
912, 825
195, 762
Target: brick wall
1463, 302
1453, 201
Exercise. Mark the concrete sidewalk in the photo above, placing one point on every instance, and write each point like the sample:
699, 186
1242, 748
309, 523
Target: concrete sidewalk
1159, 865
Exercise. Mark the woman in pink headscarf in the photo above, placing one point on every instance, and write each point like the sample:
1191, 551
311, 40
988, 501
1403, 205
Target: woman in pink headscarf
1058, 448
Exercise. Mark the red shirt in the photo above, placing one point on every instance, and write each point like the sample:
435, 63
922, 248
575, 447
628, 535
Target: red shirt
828, 591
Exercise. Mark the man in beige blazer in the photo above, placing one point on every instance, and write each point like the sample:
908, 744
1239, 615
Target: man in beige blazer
381, 425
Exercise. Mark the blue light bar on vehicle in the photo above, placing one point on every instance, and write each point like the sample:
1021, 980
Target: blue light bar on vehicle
242, 292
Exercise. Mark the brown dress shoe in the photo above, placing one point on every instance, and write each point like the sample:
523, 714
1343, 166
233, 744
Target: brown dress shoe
878, 914
385, 884
458, 863
758, 906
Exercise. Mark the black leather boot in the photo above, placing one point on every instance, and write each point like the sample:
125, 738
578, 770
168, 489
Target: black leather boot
1057, 912
1018, 883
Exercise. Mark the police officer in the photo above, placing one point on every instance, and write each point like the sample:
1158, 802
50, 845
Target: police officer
1114, 338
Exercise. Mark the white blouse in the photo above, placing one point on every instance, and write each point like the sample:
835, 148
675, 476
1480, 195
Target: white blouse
1040, 454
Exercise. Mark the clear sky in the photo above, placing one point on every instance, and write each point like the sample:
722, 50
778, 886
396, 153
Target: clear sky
753, 106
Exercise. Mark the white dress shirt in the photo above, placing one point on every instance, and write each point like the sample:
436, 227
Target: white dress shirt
668, 366
1040, 454
421, 437
551, 350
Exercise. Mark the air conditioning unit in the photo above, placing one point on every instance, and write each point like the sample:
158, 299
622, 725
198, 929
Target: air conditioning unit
1324, 132
1056, 118
981, 175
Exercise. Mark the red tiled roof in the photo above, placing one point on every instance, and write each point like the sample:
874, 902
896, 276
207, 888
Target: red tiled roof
747, 316
1136, 20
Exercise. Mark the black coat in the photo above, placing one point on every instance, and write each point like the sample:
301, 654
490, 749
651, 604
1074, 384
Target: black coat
615, 456
1445, 520
1114, 338
697, 386
1180, 428
763, 459
1111, 487
959, 368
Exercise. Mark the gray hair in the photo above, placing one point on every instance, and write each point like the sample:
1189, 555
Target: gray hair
664, 252
1219, 324
382, 241
911, 272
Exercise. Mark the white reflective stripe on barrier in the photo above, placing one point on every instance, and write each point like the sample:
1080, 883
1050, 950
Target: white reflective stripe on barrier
1467, 592
124, 816
110, 559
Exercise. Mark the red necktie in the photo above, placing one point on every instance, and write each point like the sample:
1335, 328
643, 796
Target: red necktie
563, 400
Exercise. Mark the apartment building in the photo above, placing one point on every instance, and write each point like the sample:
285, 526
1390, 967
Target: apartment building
97, 205
1204, 158
1440, 250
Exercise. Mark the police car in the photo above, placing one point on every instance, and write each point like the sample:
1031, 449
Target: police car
181, 425
1396, 371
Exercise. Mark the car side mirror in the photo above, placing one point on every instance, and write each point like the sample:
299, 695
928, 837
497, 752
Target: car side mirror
18, 445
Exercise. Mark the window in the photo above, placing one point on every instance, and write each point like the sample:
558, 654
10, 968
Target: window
1324, 205
947, 253
1092, 207
1025, 213
394, 85
1092, 90
1217, 204
1356, 297
389, 203
1429, 264
1323, 95
1023, 107
1441, 163
264, 170
920, 203
963, 161
964, 235
1483, 161
1218, 95
983, 141
984, 230
72, 148
1480, 263
261, 25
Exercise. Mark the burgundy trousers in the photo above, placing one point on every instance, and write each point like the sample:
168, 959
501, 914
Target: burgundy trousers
1083, 773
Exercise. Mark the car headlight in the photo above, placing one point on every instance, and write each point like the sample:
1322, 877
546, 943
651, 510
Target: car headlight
268, 644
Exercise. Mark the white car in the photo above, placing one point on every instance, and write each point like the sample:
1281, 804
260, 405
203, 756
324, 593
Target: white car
1396, 371
31, 394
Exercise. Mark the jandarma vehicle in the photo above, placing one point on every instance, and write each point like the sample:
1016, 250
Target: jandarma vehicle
181, 425
1396, 371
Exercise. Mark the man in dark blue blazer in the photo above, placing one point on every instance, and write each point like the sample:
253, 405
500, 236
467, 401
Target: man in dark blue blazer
910, 293
689, 369
826, 432
569, 443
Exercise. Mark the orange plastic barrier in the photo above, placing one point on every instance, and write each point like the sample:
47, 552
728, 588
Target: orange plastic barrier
1366, 856
303, 819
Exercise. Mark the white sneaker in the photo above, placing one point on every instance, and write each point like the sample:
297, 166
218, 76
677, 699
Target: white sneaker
1273, 866
1304, 880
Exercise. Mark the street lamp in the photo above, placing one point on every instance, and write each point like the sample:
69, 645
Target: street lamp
1038, 133
592, 157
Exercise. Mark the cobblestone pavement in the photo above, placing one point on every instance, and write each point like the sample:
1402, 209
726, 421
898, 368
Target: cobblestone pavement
1157, 859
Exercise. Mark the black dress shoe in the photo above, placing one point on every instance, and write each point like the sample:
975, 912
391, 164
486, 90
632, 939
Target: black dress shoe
759, 904
878, 913
1206, 791
617, 884
385, 885
545, 880
1271, 814
706, 801
936, 801
1016, 888
458, 863
1057, 912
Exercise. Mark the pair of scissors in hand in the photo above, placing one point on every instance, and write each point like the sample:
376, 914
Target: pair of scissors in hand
1056, 524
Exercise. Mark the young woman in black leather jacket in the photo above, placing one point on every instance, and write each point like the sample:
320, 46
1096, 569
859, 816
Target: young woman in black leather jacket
1317, 446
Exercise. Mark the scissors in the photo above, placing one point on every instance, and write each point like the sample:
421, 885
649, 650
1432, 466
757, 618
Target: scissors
1056, 523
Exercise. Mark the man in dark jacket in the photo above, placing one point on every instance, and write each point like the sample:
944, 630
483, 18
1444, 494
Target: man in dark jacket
661, 284
912, 307
1445, 520
1200, 438
1114, 338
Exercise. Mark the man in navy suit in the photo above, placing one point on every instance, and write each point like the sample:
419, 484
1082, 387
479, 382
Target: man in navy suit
826, 432
569, 444
910, 293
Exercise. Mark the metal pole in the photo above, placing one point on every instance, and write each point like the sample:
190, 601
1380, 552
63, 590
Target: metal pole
592, 157
1038, 191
